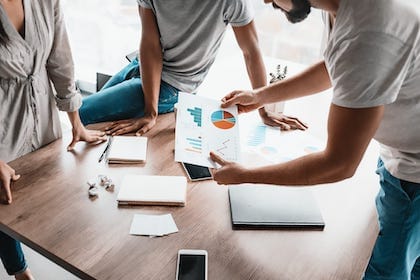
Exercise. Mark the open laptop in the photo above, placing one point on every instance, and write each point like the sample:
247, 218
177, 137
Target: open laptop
266, 206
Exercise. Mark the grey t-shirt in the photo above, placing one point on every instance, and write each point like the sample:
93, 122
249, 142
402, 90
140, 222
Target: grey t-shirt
373, 59
191, 32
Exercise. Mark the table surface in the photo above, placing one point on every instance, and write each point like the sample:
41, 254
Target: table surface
52, 213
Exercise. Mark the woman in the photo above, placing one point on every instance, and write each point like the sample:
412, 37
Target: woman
34, 56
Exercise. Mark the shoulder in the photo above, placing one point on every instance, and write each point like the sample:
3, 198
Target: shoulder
238, 12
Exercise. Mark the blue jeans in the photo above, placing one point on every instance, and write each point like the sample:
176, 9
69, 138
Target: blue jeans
11, 255
396, 254
122, 98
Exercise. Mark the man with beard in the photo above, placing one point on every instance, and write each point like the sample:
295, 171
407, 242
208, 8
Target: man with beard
179, 43
371, 61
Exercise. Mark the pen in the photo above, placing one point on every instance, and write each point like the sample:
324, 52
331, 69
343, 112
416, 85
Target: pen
106, 149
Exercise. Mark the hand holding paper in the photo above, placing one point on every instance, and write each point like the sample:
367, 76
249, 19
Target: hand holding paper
229, 172
203, 126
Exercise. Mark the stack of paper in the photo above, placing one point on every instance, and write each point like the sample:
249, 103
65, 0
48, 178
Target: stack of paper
153, 225
127, 149
153, 190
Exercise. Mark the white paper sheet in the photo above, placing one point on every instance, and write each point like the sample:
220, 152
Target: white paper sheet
274, 145
153, 225
203, 126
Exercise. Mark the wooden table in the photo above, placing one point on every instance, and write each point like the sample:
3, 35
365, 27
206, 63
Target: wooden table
52, 213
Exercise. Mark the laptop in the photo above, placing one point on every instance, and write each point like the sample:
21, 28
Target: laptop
266, 206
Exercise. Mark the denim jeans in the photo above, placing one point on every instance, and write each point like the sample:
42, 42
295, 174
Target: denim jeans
11, 255
396, 254
122, 97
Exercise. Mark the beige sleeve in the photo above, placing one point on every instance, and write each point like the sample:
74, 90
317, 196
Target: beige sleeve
60, 66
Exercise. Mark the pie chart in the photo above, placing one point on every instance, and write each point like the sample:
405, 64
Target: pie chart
223, 119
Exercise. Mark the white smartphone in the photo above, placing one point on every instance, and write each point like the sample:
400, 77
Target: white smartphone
197, 172
192, 265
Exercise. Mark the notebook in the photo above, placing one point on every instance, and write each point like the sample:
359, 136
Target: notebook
127, 149
153, 190
264, 206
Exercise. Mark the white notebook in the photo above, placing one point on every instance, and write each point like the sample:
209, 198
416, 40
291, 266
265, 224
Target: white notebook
127, 149
153, 190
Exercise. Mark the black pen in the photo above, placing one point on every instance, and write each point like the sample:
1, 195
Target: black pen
106, 149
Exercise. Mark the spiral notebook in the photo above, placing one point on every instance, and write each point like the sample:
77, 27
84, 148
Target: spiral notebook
127, 149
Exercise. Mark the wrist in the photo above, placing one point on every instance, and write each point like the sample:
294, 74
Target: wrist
151, 114
262, 112
259, 97
75, 121
245, 175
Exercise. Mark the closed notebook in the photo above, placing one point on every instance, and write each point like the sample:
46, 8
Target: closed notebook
153, 190
127, 149
265, 206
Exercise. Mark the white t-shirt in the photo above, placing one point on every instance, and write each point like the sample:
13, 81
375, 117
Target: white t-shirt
373, 58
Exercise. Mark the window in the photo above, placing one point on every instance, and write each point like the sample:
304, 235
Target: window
102, 32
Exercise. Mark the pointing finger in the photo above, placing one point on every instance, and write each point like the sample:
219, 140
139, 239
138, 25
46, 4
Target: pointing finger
217, 159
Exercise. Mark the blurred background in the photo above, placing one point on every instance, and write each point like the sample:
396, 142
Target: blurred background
102, 32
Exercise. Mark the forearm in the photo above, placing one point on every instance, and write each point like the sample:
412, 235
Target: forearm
313, 80
312, 169
255, 68
151, 71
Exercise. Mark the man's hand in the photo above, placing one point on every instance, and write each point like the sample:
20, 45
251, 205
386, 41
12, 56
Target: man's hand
7, 174
229, 172
138, 125
80, 133
282, 121
246, 100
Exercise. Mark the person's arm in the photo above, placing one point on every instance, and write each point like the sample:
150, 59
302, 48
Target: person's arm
151, 62
349, 134
313, 80
60, 70
151, 71
247, 39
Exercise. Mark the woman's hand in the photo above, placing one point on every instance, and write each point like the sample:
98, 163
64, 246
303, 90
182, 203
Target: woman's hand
7, 174
138, 125
80, 133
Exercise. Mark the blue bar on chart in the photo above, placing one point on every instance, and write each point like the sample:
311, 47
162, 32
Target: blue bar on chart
195, 144
257, 136
196, 113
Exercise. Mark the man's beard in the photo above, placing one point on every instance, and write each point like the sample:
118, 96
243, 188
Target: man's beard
300, 10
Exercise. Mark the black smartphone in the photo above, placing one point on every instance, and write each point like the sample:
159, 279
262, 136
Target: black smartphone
197, 172
191, 265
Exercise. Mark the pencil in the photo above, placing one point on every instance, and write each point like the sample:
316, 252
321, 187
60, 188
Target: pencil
106, 149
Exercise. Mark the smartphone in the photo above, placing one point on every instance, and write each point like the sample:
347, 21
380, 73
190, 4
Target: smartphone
197, 172
192, 265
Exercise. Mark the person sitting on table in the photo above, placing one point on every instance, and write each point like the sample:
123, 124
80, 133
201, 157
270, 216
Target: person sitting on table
35, 52
179, 43
372, 62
